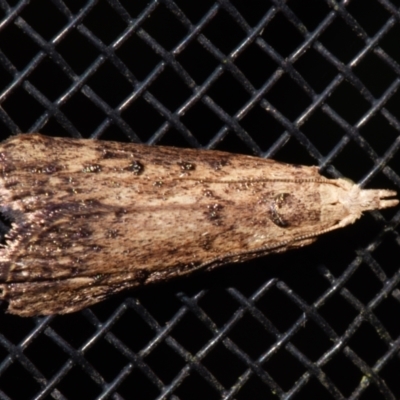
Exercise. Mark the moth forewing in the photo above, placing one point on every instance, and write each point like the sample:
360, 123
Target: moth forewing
91, 218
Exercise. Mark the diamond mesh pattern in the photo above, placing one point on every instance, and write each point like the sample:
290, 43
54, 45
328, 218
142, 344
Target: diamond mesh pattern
310, 82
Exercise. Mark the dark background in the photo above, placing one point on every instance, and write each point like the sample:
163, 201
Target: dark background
312, 82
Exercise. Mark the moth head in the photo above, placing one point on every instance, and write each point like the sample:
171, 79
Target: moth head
356, 200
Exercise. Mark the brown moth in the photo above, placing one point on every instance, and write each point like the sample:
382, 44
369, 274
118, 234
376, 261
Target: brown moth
90, 218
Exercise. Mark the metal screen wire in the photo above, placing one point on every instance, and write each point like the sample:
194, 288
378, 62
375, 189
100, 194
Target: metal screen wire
312, 82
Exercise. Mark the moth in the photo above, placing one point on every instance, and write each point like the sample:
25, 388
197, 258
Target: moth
90, 218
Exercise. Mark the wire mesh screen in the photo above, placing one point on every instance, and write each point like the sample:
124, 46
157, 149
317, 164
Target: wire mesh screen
312, 82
